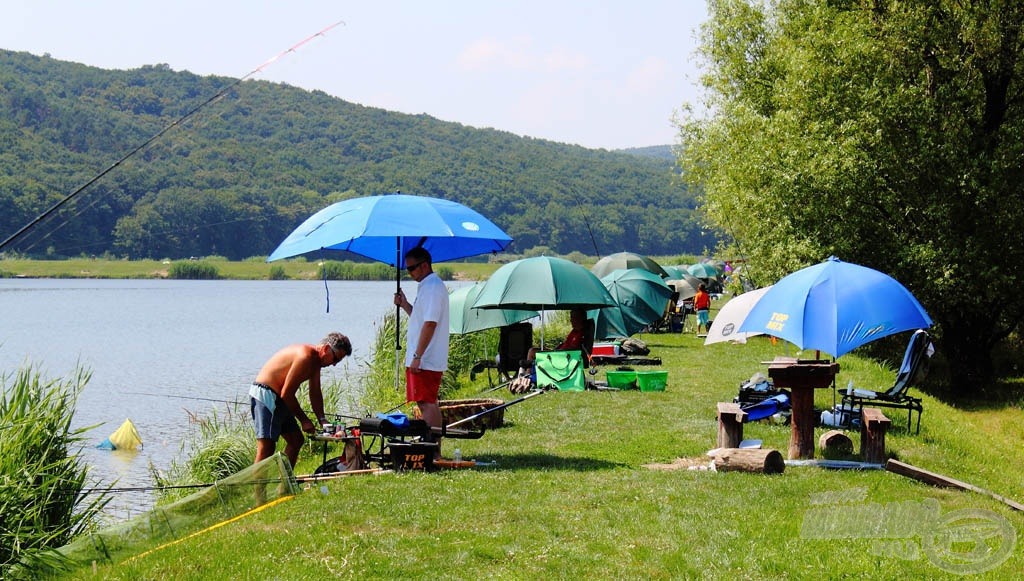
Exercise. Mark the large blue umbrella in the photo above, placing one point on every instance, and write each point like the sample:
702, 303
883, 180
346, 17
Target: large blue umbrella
835, 307
384, 228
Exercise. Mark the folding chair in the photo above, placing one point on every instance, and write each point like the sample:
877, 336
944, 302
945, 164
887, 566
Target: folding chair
912, 372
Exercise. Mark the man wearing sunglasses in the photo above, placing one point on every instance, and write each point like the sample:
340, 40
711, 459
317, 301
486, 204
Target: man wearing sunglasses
272, 397
426, 342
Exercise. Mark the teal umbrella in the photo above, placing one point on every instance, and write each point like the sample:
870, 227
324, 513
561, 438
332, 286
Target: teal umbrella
626, 260
543, 283
641, 298
463, 318
675, 272
703, 270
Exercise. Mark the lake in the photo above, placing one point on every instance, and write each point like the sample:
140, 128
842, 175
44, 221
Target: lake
153, 345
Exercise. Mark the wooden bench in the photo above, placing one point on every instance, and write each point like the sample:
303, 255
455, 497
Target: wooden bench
873, 425
730, 424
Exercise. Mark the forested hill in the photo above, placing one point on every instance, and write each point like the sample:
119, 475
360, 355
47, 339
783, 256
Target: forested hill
239, 175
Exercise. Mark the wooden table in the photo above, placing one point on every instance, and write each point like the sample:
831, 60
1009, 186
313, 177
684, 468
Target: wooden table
802, 377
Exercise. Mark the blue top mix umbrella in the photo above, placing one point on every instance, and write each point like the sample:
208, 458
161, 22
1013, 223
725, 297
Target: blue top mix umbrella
835, 307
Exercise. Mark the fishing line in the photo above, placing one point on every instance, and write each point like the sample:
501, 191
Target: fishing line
587, 223
215, 97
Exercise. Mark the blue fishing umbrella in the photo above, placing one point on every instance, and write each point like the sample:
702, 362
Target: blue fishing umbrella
384, 228
835, 307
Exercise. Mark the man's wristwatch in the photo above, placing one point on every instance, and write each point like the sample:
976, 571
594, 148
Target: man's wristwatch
415, 355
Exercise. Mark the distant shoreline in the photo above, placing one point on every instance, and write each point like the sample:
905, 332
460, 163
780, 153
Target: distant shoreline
252, 269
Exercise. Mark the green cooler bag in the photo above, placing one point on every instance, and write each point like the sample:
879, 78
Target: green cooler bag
561, 369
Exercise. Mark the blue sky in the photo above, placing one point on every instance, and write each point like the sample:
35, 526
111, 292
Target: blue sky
596, 73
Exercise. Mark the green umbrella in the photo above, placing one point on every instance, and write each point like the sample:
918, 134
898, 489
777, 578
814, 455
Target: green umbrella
626, 260
675, 272
686, 285
543, 283
641, 299
703, 270
463, 318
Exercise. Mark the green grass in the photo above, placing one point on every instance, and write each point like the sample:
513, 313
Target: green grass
570, 497
255, 268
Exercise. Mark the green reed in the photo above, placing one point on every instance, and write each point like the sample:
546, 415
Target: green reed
42, 474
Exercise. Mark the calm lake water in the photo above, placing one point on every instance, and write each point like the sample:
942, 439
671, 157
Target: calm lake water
145, 340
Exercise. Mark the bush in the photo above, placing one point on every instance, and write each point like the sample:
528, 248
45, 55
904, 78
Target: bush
277, 272
348, 270
193, 270
41, 478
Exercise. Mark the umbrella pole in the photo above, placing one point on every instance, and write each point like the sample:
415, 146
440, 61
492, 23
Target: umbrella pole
398, 309
543, 323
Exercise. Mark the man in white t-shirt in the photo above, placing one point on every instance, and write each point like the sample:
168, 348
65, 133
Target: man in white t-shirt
426, 356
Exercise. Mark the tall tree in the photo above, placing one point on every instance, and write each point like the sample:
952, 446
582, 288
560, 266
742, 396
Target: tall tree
887, 133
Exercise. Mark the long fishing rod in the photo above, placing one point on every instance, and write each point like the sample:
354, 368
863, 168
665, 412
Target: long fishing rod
587, 223
298, 478
215, 97
233, 402
236, 402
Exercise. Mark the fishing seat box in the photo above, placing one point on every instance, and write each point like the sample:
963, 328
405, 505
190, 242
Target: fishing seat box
413, 455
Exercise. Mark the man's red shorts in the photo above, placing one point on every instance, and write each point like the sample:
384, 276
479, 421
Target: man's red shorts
422, 386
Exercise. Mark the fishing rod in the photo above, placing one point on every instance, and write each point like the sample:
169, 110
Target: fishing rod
298, 478
586, 222
234, 402
215, 97
125, 489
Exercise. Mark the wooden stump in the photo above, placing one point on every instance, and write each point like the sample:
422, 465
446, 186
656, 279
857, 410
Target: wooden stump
835, 441
730, 424
749, 460
873, 425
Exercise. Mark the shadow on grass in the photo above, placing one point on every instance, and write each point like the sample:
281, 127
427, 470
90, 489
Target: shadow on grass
1002, 394
549, 462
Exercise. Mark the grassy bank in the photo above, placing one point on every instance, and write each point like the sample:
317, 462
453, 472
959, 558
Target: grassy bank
571, 497
252, 269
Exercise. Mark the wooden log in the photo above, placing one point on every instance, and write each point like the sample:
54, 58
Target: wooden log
873, 425
730, 424
750, 460
836, 442
922, 475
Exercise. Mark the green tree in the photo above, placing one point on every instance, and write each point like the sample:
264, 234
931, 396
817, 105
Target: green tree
886, 133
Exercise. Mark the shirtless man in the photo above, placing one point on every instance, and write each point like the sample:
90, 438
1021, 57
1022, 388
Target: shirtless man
272, 396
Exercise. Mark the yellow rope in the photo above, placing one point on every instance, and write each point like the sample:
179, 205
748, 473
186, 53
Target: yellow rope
210, 528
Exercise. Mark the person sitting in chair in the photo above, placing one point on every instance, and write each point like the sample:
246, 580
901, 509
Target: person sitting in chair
580, 338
